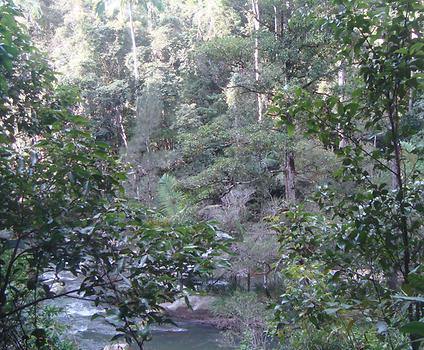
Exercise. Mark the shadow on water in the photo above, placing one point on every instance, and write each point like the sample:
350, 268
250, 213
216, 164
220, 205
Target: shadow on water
195, 337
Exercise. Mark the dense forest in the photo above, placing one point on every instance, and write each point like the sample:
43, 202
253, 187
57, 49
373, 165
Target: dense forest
262, 157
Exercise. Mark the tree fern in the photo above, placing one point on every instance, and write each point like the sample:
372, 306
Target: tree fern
172, 202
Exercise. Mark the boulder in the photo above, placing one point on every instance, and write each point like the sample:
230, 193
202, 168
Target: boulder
122, 346
200, 307
57, 288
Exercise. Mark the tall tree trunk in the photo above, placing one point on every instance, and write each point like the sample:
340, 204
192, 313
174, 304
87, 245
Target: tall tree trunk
393, 278
341, 81
399, 186
285, 13
278, 25
149, 16
289, 166
121, 128
256, 27
290, 177
395, 177
133, 43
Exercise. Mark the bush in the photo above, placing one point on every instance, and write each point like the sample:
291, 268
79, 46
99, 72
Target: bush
244, 318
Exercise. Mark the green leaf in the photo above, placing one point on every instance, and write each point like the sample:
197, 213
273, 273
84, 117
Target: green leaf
291, 130
415, 327
416, 299
416, 47
331, 311
100, 8
118, 336
96, 316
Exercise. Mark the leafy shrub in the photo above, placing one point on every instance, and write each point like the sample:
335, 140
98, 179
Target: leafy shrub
244, 318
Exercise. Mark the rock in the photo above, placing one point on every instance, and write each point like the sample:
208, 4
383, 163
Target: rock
57, 288
200, 307
212, 212
122, 346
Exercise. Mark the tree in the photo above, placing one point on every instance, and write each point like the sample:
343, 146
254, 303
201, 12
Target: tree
256, 27
299, 49
377, 228
63, 209
129, 4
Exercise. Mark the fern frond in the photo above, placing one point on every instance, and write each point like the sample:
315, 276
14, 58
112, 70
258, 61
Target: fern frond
172, 201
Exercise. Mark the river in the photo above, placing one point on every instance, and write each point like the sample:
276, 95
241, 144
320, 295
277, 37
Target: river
96, 334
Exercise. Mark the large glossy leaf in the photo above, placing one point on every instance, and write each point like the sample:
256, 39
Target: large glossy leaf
416, 328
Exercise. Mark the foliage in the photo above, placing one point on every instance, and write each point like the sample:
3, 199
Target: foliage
336, 337
176, 89
152, 262
172, 201
55, 338
246, 319
361, 249
62, 209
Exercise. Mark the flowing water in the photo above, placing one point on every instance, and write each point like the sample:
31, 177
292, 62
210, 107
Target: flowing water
96, 334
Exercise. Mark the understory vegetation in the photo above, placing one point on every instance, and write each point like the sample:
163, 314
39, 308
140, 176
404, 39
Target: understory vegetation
269, 153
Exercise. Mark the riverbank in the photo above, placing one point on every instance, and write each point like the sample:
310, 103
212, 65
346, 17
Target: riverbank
199, 311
